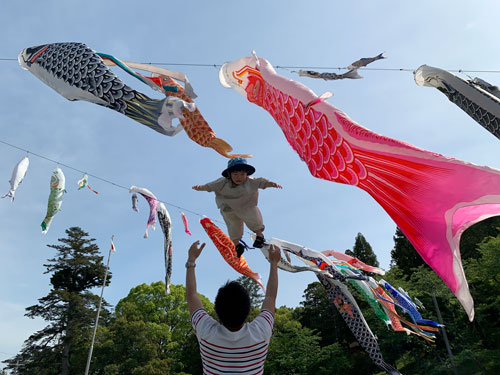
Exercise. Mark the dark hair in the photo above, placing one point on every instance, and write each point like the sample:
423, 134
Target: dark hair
232, 304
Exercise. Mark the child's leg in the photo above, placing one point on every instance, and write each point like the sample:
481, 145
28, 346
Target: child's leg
234, 229
253, 220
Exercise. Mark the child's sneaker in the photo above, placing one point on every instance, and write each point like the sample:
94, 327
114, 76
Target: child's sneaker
259, 242
239, 250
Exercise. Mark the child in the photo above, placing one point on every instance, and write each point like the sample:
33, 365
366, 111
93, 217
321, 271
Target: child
236, 195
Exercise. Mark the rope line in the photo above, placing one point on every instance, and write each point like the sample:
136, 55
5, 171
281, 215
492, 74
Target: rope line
100, 178
307, 67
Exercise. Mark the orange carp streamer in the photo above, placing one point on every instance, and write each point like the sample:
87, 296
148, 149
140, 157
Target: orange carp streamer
227, 250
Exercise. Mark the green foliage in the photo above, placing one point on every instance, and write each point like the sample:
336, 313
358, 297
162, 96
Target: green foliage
254, 290
476, 234
363, 251
60, 347
296, 350
149, 333
318, 314
403, 255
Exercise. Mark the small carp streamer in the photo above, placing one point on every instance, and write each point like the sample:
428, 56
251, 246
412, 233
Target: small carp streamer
185, 222
84, 182
431, 198
352, 73
355, 262
18, 174
179, 104
57, 185
479, 99
134, 202
194, 124
227, 250
166, 227
407, 304
153, 204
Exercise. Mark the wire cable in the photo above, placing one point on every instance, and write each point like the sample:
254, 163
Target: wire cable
307, 67
99, 178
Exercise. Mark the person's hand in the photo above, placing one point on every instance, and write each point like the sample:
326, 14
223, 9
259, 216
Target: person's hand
195, 251
274, 254
197, 187
275, 185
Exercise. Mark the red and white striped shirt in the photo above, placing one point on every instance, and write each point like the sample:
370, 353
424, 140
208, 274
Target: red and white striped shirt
225, 352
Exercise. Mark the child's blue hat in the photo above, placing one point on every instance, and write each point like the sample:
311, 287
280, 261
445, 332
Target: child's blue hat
238, 164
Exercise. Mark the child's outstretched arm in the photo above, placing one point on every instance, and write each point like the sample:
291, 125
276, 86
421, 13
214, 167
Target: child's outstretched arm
200, 187
273, 184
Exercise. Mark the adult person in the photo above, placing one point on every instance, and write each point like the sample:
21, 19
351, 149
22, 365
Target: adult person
232, 346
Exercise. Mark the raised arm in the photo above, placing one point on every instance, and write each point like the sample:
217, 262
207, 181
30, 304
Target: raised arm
269, 302
272, 184
200, 187
192, 298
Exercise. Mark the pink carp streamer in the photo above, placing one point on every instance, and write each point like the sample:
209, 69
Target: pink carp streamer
186, 224
153, 205
355, 262
431, 198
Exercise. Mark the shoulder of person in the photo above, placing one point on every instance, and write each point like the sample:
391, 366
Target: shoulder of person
218, 184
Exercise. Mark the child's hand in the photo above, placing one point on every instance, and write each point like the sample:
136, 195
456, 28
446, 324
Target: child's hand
275, 185
198, 187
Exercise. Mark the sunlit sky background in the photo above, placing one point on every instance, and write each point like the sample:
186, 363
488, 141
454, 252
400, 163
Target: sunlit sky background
318, 214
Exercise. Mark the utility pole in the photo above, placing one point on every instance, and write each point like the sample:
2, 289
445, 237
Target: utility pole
89, 358
445, 336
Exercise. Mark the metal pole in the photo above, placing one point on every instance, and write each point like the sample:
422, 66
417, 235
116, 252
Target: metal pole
445, 336
89, 358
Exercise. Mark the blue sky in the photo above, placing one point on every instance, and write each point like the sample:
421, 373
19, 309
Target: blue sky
318, 214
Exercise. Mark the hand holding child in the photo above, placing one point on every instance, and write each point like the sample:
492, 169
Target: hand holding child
274, 254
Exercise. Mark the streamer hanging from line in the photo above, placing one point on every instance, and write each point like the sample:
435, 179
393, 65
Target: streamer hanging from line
186, 224
166, 227
153, 204
84, 183
59, 163
57, 185
352, 73
79, 73
431, 198
18, 174
479, 99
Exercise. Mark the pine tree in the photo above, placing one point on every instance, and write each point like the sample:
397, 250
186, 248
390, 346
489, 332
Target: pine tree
60, 347
404, 255
363, 251
254, 290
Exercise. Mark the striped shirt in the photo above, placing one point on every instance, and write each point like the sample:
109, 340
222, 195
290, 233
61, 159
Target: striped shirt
224, 352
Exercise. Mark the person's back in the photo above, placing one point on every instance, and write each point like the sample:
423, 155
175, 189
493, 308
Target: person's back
229, 352
232, 346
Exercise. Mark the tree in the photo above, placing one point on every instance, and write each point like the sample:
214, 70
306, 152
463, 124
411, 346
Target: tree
150, 333
476, 234
254, 290
296, 350
403, 255
318, 313
363, 251
69, 307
